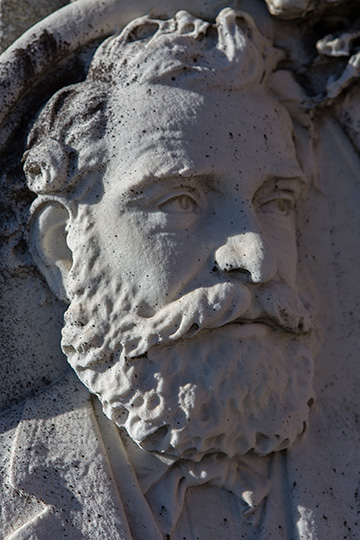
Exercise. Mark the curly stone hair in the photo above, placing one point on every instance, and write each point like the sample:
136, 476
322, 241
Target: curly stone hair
66, 142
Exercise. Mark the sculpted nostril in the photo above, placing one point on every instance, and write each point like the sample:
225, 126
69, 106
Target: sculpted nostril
242, 274
234, 269
243, 271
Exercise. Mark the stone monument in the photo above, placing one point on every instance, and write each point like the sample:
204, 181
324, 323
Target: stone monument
178, 191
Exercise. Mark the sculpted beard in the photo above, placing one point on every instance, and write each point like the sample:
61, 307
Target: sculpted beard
180, 392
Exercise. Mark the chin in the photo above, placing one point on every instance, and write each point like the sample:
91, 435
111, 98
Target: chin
228, 390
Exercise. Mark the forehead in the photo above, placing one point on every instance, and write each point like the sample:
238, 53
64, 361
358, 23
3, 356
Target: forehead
168, 131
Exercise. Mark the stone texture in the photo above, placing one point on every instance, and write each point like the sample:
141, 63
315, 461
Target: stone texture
193, 224
16, 16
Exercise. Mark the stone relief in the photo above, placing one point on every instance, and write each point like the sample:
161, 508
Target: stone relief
178, 191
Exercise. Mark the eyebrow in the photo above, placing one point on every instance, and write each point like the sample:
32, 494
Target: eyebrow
299, 184
297, 178
212, 182
149, 181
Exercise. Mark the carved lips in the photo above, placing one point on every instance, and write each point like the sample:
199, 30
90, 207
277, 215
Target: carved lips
300, 329
274, 305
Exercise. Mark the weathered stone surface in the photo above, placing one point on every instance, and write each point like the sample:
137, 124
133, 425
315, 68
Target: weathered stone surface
16, 16
177, 199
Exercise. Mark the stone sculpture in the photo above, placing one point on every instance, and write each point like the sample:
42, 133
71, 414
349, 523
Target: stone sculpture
167, 185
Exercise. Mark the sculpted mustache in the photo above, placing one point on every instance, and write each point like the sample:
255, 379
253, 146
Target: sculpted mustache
212, 307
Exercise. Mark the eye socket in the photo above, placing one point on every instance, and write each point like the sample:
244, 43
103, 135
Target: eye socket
281, 205
181, 204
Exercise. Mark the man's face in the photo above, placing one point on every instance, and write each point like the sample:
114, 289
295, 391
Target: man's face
199, 191
192, 316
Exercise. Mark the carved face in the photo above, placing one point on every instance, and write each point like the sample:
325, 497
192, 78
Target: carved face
180, 268
194, 234
200, 190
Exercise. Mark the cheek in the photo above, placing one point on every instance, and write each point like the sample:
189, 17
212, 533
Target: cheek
155, 265
282, 237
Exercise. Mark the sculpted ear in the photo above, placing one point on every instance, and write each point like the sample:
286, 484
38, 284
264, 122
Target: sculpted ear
48, 245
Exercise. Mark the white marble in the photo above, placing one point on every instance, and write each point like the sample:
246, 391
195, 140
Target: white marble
186, 211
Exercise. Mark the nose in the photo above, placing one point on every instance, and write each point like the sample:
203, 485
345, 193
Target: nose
247, 254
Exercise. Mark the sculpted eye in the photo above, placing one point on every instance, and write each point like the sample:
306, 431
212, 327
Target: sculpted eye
281, 205
181, 204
